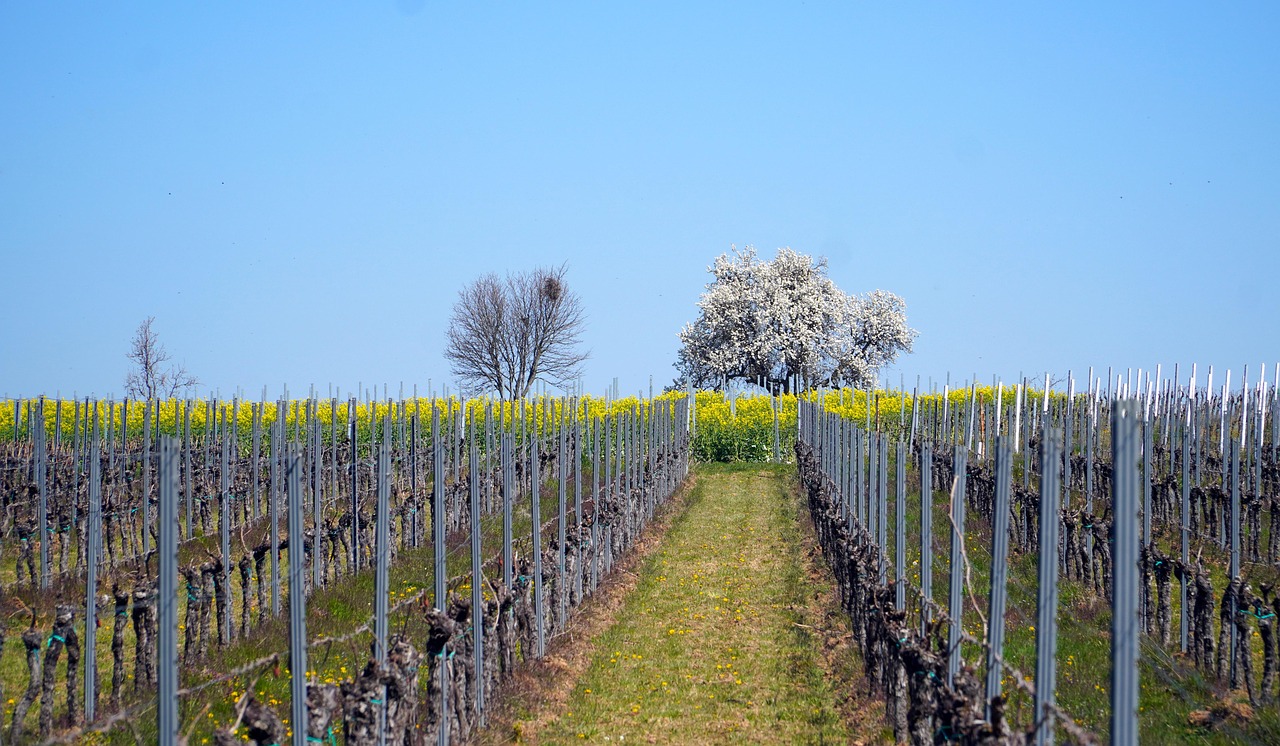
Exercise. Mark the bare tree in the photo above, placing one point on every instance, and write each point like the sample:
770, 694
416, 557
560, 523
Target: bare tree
475, 341
506, 335
150, 377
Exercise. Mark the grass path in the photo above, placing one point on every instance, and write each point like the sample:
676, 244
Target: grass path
718, 642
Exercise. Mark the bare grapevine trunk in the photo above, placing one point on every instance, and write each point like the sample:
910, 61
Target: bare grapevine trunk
191, 626
324, 706
1267, 617
57, 641
259, 571
1226, 618
26, 555
263, 724
361, 705
403, 661
1244, 653
64, 540
206, 606
245, 591
73, 672
898, 700
121, 620
222, 596
31, 640
1204, 618
1163, 568
144, 631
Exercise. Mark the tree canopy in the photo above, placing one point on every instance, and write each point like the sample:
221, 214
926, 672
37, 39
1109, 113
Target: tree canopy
783, 323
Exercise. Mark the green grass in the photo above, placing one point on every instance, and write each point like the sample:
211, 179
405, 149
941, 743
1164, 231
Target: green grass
708, 647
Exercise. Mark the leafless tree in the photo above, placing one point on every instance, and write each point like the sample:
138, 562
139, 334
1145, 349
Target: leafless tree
505, 335
151, 378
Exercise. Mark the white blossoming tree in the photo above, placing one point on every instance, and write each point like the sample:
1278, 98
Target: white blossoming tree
783, 323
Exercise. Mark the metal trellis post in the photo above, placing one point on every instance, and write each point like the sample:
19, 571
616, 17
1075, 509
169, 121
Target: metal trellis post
955, 608
91, 586
926, 531
999, 568
536, 520
477, 584
166, 601
900, 529
1125, 619
1047, 593
297, 602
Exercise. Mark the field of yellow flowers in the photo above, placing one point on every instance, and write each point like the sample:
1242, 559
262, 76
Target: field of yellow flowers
726, 428
169, 416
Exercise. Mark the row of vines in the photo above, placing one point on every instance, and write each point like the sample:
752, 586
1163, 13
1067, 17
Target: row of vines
432, 544
1143, 530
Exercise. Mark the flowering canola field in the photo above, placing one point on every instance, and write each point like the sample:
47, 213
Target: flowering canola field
726, 428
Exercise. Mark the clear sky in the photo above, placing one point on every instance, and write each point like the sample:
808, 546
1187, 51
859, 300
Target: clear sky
296, 191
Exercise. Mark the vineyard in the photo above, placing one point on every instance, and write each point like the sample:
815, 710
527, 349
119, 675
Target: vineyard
1107, 564
182, 554
1015, 565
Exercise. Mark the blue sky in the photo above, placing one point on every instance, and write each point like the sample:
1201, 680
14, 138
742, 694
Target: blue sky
296, 191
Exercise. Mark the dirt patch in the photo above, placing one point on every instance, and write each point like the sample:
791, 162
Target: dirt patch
538, 689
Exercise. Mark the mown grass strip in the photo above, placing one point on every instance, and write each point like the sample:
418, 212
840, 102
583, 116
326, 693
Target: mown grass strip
710, 647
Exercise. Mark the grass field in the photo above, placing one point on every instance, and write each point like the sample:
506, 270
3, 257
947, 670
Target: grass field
719, 642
